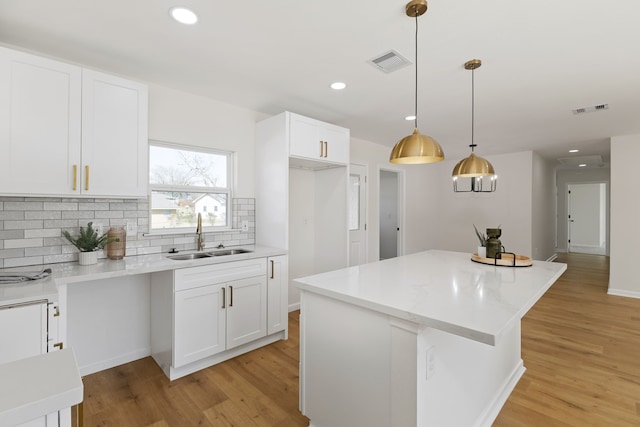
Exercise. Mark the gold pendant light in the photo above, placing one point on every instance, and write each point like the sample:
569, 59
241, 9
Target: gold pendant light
483, 178
416, 148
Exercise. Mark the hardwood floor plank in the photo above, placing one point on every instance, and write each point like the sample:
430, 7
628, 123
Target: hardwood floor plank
581, 348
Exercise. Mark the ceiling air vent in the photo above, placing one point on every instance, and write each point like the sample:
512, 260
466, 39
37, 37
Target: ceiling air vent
389, 61
591, 109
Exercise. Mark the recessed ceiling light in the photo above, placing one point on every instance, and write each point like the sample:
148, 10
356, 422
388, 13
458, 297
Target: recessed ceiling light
183, 15
573, 151
338, 85
581, 165
410, 118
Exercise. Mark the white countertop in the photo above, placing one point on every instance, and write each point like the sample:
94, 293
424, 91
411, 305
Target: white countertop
441, 289
38, 386
72, 272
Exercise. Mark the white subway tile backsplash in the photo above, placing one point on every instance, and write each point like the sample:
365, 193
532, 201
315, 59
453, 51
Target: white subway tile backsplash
22, 225
60, 206
22, 261
23, 206
11, 215
45, 232
22, 243
42, 215
31, 228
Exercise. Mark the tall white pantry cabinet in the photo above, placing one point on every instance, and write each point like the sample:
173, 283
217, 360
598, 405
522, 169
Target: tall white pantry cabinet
302, 177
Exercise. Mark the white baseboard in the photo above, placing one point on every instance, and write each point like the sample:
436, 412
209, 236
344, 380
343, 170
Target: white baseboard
490, 414
552, 257
116, 361
294, 306
624, 293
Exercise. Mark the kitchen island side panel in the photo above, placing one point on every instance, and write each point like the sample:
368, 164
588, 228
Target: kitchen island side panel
362, 367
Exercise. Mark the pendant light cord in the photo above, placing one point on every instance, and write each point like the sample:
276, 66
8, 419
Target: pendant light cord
416, 94
473, 107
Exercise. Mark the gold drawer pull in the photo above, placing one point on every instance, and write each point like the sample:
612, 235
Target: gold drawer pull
86, 178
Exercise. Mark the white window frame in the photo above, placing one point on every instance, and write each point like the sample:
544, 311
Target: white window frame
228, 190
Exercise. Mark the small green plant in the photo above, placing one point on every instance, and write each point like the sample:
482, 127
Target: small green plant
481, 236
89, 241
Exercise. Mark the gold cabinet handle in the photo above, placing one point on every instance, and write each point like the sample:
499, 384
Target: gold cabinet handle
231, 296
86, 178
57, 311
224, 297
272, 268
326, 149
75, 177
321, 149
59, 345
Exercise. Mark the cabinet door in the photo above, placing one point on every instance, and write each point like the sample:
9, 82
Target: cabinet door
199, 324
336, 144
313, 139
23, 331
39, 125
277, 294
114, 136
247, 310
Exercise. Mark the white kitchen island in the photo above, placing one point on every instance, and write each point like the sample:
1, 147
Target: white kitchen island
428, 339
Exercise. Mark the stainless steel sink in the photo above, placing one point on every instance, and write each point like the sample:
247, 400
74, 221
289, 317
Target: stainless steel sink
229, 252
198, 255
185, 257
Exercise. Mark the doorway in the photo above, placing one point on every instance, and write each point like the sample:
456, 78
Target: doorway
390, 214
587, 226
357, 215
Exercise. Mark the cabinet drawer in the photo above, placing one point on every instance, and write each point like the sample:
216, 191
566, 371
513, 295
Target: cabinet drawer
194, 277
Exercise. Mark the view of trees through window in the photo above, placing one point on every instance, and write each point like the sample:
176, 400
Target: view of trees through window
185, 183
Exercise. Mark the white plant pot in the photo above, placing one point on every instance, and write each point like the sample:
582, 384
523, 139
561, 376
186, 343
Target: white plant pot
482, 251
88, 258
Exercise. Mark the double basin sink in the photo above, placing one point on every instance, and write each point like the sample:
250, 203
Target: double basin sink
198, 255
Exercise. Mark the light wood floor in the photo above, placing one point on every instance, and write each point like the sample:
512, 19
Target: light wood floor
581, 348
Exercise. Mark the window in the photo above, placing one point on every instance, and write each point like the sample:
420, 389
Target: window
185, 182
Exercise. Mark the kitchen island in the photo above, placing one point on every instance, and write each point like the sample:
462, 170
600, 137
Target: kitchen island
428, 339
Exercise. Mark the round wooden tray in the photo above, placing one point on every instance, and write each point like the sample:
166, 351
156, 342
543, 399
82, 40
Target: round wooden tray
508, 260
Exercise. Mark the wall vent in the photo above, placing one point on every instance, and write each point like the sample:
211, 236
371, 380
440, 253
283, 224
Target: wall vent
591, 109
389, 61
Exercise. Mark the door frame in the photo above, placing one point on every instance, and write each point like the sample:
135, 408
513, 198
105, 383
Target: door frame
364, 206
400, 208
568, 212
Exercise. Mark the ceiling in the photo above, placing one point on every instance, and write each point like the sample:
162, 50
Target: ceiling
541, 60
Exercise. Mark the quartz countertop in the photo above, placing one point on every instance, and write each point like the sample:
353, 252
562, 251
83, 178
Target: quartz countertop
441, 289
38, 385
72, 272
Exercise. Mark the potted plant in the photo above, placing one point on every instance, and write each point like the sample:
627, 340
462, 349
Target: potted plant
482, 249
88, 243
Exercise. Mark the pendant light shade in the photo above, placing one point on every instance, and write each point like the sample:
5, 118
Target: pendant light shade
416, 148
482, 176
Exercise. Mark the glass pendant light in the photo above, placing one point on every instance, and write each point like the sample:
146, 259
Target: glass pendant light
416, 148
482, 176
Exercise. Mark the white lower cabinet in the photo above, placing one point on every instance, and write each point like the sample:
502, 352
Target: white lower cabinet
204, 315
277, 294
30, 329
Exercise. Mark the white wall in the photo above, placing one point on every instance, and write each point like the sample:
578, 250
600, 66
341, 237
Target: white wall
420, 185
566, 177
625, 211
183, 118
388, 214
510, 206
543, 209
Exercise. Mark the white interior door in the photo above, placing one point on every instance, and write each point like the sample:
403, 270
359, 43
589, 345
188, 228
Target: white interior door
587, 218
357, 215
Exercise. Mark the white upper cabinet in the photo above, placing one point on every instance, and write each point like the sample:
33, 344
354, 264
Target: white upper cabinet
40, 122
114, 136
315, 140
68, 131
